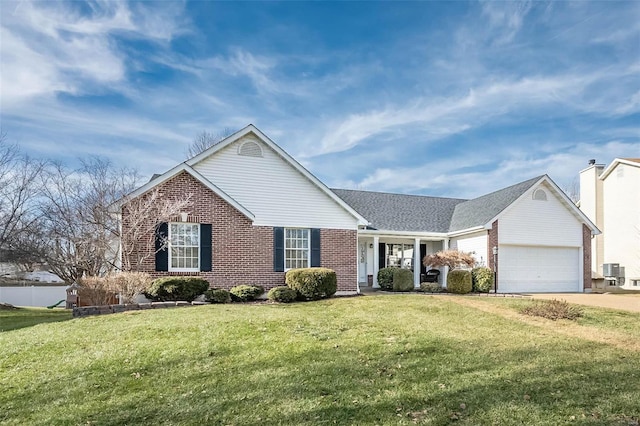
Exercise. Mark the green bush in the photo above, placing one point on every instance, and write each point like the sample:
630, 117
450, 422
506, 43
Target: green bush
482, 279
459, 282
553, 310
245, 293
402, 280
312, 283
385, 278
168, 289
431, 288
217, 295
282, 294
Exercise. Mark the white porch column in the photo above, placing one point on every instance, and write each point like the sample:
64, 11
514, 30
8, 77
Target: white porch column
417, 262
376, 261
445, 246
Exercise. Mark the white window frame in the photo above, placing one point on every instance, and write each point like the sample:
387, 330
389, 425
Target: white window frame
169, 246
286, 247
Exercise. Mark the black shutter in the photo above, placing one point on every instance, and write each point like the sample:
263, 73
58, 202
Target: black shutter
278, 249
382, 255
162, 251
423, 253
315, 247
205, 247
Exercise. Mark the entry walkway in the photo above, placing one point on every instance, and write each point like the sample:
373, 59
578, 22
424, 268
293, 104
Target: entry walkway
625, 302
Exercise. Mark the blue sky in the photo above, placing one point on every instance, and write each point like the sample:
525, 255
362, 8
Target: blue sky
439, 98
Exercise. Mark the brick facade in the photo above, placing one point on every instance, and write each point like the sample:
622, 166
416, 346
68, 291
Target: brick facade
243, 253
586, 256
492, 239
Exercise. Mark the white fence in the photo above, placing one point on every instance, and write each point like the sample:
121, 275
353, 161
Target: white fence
33, 295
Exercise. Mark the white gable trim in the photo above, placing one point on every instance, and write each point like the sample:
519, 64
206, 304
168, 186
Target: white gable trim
615, 163
467, 231
252, 129
566, 201
183, 167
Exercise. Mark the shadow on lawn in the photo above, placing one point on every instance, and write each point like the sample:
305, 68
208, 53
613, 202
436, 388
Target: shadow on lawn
14, 319
345, 385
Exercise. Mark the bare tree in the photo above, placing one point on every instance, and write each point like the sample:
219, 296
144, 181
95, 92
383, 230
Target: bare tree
77, 235
205, 140
19, 189
140, 219
573, 190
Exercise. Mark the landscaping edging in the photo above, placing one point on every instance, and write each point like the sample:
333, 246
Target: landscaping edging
86, 311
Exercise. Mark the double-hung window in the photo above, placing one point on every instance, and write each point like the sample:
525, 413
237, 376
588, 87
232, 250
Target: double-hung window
184, 247
296, 248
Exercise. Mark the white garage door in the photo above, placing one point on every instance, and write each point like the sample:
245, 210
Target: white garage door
523, 269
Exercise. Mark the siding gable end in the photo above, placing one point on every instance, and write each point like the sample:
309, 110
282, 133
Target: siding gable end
275, 191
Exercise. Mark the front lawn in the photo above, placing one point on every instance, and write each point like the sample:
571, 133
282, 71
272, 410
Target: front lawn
367, 360
12, 319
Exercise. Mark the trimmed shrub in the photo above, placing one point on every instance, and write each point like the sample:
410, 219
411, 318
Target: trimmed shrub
402, 279
217, 295
385, 278
431, 288
482, 279
553, 310
282, 294
245, 293
459, 282
312, 283
168, 289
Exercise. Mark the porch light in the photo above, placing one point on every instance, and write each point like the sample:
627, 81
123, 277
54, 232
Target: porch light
495, 250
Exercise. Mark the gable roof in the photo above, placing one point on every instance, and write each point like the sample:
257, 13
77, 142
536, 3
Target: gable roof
418, 213
481, 210
251, 129
183, 167
400, 212
634, 162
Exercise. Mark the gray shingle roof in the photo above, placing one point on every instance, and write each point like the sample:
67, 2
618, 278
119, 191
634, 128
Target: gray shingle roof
481, 210
399, 212
418, 213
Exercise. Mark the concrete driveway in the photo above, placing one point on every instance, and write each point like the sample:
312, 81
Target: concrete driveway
625, 302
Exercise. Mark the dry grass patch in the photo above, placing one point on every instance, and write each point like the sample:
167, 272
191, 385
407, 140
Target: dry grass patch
553, 310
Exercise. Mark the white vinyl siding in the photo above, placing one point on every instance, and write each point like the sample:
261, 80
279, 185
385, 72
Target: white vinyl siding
475, 243
184, 247
622, 220
274, 191
544, 223
297, 250
523, 269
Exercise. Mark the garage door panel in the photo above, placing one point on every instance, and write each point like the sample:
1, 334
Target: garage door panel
538, 269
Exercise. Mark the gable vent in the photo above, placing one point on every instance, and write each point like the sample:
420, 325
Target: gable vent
540, 195
250, 149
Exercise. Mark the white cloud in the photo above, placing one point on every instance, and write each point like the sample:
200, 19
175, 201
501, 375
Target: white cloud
506, 18
477, 173
439, 118
48, 48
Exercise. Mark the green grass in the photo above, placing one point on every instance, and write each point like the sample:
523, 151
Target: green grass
368, 360
26, 317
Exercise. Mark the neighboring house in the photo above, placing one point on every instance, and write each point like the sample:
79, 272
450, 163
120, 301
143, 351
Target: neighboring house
610, 197
258, 212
